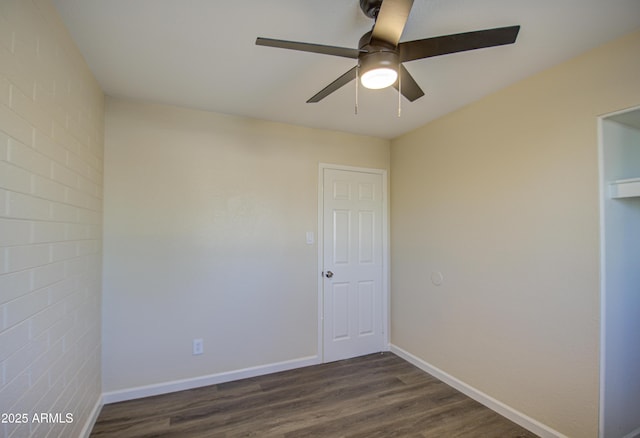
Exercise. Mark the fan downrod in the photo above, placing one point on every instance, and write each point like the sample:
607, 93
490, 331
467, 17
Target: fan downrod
371, 7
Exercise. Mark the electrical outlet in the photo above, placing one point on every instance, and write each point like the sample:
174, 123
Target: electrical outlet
198, 346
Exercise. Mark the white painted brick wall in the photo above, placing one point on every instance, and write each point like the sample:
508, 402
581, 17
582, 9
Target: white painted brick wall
51, 152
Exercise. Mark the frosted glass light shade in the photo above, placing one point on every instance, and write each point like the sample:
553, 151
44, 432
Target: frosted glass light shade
378, 78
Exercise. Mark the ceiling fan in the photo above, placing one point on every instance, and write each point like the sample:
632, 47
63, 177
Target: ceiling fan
380, 53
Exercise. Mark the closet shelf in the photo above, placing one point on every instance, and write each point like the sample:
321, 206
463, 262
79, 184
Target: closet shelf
625, 188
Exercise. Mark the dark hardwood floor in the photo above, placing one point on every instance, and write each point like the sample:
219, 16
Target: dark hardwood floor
379, 395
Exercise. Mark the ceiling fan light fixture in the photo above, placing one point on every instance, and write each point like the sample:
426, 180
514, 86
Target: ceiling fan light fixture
377, 78
379, 69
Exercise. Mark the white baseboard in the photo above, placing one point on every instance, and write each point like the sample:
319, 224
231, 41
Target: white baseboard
93, 416
211, 379
517, 417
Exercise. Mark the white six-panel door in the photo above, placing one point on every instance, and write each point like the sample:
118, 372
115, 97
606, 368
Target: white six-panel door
352, 263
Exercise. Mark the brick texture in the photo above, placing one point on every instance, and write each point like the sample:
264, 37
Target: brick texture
51, 158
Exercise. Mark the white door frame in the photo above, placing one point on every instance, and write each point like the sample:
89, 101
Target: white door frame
603, 195
385, 251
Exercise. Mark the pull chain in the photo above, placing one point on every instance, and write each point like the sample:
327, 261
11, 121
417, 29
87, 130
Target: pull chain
357, 81
399, 91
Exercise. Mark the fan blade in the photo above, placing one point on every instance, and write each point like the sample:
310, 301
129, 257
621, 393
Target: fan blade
307, 47
335, 85
408, 86
460, 42
391, 20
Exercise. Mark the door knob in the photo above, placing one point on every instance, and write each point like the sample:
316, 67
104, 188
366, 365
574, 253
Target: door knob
328, 274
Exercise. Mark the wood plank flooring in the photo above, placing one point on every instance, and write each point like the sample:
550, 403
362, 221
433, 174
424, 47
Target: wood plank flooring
374, 396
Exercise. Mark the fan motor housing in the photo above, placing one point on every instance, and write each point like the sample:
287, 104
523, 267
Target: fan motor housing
373, 45
380, 59
377, 54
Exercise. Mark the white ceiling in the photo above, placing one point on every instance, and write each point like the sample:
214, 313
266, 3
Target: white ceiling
201, 53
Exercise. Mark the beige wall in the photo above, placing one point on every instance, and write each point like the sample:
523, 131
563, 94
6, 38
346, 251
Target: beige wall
501, 197
51, 144
205, 224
